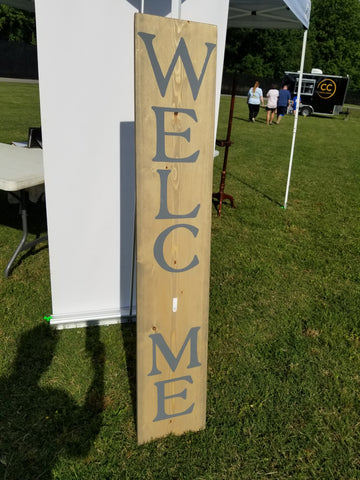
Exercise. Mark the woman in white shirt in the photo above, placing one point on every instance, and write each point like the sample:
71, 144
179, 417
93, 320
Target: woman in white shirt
272, 98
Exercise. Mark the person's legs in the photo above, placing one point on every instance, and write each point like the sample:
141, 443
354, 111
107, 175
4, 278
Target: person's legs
280, 113
268, 113
272, 116
256, 110
252, 112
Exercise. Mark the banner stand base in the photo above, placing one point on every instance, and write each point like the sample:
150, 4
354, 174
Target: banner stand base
87, 319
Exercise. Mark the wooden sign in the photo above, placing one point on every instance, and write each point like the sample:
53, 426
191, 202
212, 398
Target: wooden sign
175, 70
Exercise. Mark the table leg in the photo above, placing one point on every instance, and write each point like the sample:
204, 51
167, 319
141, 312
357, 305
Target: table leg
23, 245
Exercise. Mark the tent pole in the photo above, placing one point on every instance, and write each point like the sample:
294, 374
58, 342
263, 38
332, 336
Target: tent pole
176, 9
296, 115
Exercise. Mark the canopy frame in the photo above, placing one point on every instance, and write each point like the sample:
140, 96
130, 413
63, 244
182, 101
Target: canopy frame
267, 13
298, 16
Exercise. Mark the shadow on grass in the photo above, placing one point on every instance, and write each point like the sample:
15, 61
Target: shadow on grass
246, 120
129, 341
264, 195
28, 253
216, 204
39, 424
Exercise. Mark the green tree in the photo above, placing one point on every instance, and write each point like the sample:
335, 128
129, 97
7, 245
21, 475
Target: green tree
17, 26
334, 38
264, 53
333, 45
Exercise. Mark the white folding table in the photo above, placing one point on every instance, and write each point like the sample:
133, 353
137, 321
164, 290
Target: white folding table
21, 168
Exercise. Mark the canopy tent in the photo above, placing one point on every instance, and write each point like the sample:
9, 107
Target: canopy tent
105, 127
282, 14
243, 13
269, 14
279, 14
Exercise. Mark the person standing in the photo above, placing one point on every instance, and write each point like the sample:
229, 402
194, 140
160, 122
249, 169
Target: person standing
283, 103
272, 98
255, 99
295, 102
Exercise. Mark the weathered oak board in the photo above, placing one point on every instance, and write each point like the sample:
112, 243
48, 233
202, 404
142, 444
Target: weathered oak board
175, 70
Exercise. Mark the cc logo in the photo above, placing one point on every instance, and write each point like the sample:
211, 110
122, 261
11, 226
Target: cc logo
326, 88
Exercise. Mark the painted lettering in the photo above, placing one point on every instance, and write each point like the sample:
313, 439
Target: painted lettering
181, 52
159, 249
159, 342
161, 134
174, 127
161, 414
164, 211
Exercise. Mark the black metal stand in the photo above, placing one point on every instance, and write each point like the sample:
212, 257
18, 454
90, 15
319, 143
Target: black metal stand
221, 195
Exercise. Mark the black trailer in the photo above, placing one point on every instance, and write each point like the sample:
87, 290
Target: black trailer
323, 94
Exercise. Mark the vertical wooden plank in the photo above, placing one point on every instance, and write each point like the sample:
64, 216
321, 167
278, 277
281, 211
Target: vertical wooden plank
175, 70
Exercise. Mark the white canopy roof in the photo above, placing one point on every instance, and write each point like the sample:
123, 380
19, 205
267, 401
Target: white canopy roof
243, 13
269, 13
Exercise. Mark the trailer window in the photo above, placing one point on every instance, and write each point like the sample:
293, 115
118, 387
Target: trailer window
307, 86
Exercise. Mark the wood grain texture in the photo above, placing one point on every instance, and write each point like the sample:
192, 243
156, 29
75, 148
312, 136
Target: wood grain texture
173, 304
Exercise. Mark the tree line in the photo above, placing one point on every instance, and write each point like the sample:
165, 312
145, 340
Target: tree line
333, 45
333, 42
17, 26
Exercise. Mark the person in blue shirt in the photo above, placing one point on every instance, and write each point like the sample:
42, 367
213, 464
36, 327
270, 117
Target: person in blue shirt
283, 103
295, 101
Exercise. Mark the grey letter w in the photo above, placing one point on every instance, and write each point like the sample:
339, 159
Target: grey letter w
182, 52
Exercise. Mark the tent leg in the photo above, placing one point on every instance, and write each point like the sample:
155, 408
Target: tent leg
296, 116
176, 9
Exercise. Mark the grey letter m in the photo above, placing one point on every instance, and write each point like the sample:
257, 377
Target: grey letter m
158, 341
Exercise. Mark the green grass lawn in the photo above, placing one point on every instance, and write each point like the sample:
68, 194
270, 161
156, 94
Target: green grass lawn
284, 329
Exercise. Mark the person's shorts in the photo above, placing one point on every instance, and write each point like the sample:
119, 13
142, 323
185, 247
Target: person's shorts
281, 110
268, 109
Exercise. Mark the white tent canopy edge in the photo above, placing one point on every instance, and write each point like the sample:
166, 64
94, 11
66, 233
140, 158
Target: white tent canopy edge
285, 14
242, 13
277, 14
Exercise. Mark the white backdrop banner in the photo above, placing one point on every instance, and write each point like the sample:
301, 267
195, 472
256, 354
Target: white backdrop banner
86, 74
